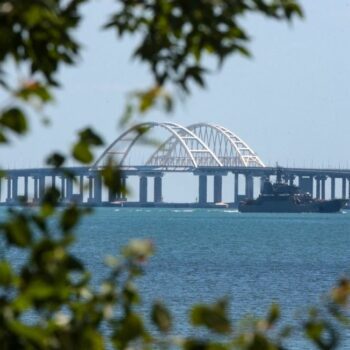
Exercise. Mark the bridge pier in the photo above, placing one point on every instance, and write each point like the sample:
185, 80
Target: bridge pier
12, 189
291, 179
41, 187
249, 186
25, 193
35, 194
143, 188
217, 188
306, 184
122, 194
344, 188
69, 189
318, 187
332, 187
8, 194
323, 187
112, 197
202, 189
90, 195
119, 196
95, 188
53, 181
63, 188
81, 188
262, 181
236, 189
157, 191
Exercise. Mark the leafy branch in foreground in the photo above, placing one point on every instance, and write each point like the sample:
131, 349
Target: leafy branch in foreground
47, 299
176, 37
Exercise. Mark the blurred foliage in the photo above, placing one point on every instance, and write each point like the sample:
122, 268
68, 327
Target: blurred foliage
176, 37
47, 301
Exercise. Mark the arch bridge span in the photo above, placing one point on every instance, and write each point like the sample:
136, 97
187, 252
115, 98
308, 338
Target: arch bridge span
198, 145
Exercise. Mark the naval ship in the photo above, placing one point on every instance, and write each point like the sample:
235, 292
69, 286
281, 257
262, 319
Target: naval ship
283, 198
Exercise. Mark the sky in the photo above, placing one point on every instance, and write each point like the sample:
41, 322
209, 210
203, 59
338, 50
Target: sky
290, 102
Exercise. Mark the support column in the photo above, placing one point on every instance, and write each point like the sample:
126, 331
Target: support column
97, 188
332, 187
36, 195
343, 188
91, 185
236, 188
112, 196
249, 186
25, 188
41, 189
217, 188
306, 184
291, 180
14, 196
318, 187
63, 188
143, 189
202, 189
122, 195
69, 189
323, 187
9, 190
158, 198
262, 181
81, 187
348, 188
53, 181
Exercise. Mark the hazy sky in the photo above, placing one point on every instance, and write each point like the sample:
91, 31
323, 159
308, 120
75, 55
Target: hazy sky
290, 103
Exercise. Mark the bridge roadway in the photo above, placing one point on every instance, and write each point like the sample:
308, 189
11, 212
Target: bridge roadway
31, 183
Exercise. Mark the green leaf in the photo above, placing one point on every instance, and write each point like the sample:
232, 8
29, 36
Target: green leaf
34, 89
89, 137
15, 120
49, 202
273, 315
17, 231
81, 152
161, 317
5, 273
69, 218
56, 160
214, 317
128, 329
36, 335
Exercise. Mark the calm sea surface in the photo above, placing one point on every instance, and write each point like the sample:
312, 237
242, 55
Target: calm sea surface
254, 259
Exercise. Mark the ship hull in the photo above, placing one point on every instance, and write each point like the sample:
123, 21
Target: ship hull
255, 206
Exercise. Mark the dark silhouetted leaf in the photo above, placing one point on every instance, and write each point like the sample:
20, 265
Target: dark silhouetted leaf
161, 317
15, 120
56, 160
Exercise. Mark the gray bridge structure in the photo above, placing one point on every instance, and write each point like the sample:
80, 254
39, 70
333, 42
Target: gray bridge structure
205, 150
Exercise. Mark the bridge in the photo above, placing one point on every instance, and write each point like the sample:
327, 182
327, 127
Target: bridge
205, 150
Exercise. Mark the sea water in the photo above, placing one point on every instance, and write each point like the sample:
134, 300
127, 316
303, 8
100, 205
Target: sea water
202, 255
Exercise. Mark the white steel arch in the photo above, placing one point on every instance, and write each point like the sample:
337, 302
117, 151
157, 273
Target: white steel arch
182, 149
227, 146
172, 151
